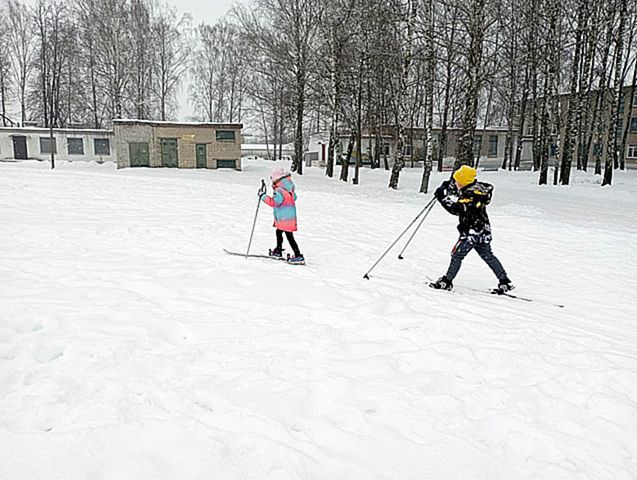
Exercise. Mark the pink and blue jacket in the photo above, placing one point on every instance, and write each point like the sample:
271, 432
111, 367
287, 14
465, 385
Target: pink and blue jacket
283, 202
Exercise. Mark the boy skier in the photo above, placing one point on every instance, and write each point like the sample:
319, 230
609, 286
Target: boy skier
283, 203
468, 199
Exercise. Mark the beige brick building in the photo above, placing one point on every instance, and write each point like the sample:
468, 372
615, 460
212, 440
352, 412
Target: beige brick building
143, 143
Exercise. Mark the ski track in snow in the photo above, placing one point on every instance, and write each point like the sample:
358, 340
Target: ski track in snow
131, 346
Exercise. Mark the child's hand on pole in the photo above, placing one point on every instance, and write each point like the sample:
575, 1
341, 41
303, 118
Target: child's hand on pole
262, 190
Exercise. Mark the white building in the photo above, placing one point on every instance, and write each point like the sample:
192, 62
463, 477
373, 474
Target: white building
489, 147
262, 150
22, 143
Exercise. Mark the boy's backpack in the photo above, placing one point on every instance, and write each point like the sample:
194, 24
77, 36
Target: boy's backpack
482, 193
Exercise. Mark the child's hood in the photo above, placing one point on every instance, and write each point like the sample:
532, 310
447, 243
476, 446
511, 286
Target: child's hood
287, 184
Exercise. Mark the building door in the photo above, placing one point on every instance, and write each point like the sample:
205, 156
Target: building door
20, 147
201, 155
169, 153
138, 154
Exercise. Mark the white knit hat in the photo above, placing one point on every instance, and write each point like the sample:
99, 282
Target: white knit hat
278, 173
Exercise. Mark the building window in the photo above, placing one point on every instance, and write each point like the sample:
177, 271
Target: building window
530, 130
75, 146
102, 146
553, 150
633, 125
619, 129
225, 135
632, 151
597, 149
45, 145
477, 145
493, 146
635, 101
407, 150
226, 164
622, 101
386, 148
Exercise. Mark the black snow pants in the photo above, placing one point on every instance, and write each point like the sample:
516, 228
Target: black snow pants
291, 241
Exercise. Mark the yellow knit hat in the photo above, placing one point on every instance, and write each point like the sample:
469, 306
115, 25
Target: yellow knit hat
465, 175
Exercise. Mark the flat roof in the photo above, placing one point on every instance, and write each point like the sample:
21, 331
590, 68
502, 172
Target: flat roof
263, 146
78, 131
157, 123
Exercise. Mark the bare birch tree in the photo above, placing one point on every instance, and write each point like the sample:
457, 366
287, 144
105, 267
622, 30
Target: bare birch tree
5, 67
617, 95
22, 51
430, 68
476, 28
171, 57
409, 11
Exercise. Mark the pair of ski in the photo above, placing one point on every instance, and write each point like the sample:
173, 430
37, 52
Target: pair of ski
269, 257
501, 293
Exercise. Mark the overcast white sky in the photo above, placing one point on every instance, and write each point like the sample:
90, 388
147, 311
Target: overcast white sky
202, 11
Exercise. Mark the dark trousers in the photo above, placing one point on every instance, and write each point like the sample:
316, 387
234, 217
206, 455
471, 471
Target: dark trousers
291, 241
463, 247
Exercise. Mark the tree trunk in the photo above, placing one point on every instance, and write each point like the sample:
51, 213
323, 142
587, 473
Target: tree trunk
629, 107
399, 157
297, 164
442, 144
281, 125
611, 149
574, 106
429, 97
523, 105
359, 125
474, 68
551, 111
348, 156
329, 170
585, 91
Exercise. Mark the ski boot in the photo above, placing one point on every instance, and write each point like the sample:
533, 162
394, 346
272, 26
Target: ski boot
505, 285
296, 260
276, 252
443, 283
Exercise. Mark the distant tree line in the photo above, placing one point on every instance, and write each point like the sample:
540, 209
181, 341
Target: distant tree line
89, 61
550, 70
553, 71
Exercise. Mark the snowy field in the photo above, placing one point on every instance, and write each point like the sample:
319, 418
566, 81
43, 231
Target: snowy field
132, 347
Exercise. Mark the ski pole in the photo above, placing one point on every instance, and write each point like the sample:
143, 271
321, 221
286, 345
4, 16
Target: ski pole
366, 276
260, 193
422, 220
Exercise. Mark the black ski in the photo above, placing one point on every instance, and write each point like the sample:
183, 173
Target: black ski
254, 255
496, 291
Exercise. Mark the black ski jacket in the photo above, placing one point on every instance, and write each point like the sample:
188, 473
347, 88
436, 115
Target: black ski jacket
469, 203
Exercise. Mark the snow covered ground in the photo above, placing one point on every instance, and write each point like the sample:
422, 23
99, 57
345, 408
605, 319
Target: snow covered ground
132, 347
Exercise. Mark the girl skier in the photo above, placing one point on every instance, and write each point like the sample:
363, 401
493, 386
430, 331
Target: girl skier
283, 202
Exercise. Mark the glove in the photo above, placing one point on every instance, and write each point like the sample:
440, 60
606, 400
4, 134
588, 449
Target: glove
441, 191
262, 191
